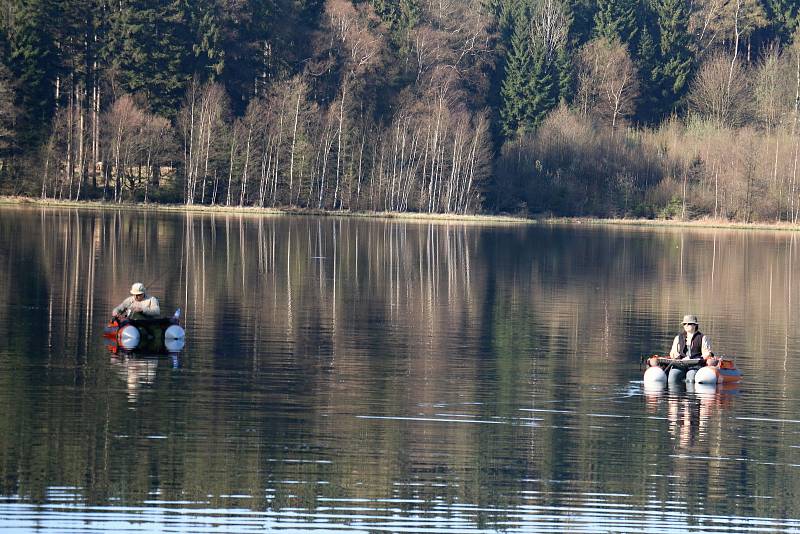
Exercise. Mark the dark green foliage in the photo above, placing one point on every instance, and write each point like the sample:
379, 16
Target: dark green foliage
209, 53
671, 73
398, 15
646, 65
616, 19
151, 45
248, 54
784, 17
33, 60
530, 87
566, 80
7, 114
582, 14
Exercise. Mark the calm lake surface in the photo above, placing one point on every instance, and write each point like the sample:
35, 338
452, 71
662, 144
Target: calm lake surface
343, 374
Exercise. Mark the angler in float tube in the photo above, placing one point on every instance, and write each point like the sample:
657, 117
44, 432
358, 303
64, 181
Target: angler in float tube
139, 305
691, 344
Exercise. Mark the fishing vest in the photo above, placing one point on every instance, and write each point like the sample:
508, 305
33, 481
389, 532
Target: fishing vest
696, 349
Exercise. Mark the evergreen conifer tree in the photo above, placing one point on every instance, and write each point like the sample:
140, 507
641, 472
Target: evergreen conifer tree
250, 58
33, 62
7, 115
784, 17
616, 19
151, 47
399, 15
530, 88
671, 74
582, 13
564, 68
206, 27
513, 92
647, 58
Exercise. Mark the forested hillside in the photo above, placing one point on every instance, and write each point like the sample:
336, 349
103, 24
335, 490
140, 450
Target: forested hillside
574, 107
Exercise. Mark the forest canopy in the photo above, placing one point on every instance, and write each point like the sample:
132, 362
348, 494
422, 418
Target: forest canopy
646, 108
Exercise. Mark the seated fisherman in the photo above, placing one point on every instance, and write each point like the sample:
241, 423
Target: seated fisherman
691, 343
139, 305
688, 345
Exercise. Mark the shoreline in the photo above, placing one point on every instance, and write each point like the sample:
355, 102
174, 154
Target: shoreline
704, 223
10, 201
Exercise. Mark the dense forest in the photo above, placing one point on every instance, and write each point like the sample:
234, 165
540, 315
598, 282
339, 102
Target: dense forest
649, 108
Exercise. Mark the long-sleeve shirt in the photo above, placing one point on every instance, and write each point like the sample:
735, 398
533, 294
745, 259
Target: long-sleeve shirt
705, 346
147, 306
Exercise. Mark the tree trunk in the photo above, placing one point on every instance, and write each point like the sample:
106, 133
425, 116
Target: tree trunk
339, 149
243, 191
294, 139
95, 130
82, 175
189, 150
360, 159
230, 168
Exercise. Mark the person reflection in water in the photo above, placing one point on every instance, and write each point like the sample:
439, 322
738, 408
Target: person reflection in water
691, 344
139, 305
687, 419
135, 372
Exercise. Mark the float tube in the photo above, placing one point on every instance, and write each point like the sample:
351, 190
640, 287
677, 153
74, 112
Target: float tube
156, 335
717, 370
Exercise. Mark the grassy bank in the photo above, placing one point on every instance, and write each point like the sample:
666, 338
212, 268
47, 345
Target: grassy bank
255, 211
704, 223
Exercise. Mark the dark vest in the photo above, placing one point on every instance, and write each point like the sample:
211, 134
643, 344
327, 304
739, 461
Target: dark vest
696, 350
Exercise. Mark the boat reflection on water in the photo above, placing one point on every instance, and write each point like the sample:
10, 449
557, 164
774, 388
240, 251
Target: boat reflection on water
689, 408
138, 367
139, 371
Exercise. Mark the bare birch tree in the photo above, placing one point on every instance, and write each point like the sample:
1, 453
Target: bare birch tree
200, 123
720, 96
609, 85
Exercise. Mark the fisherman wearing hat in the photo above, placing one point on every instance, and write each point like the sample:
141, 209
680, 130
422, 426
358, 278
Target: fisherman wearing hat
691, 343
139, 305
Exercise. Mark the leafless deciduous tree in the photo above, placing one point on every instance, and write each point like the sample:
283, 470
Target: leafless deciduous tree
774, 98
608, 83
550, 26
200, 123
137, 145
724, 24
721, 93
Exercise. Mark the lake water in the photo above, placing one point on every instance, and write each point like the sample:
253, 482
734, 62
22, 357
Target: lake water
345, 374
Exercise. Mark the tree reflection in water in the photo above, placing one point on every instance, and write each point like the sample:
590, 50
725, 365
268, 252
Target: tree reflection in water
406, 366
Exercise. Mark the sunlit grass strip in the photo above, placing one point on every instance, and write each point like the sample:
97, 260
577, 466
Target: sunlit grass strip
257, 211
701, 223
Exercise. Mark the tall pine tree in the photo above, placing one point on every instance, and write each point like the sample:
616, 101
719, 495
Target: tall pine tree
250, 54
783, 16
530, 86
671, 73
33, 62
399, 15
8, 116
152, 44
582, 13
616, 19
646, 63
206, 27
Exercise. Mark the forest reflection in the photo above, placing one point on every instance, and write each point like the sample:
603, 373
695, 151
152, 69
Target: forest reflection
374, 359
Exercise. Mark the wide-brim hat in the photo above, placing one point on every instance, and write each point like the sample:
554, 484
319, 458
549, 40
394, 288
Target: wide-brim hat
137, 289
690, 319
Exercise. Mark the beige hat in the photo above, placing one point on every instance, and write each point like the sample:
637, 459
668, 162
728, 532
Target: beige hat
137, 289
690, 319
